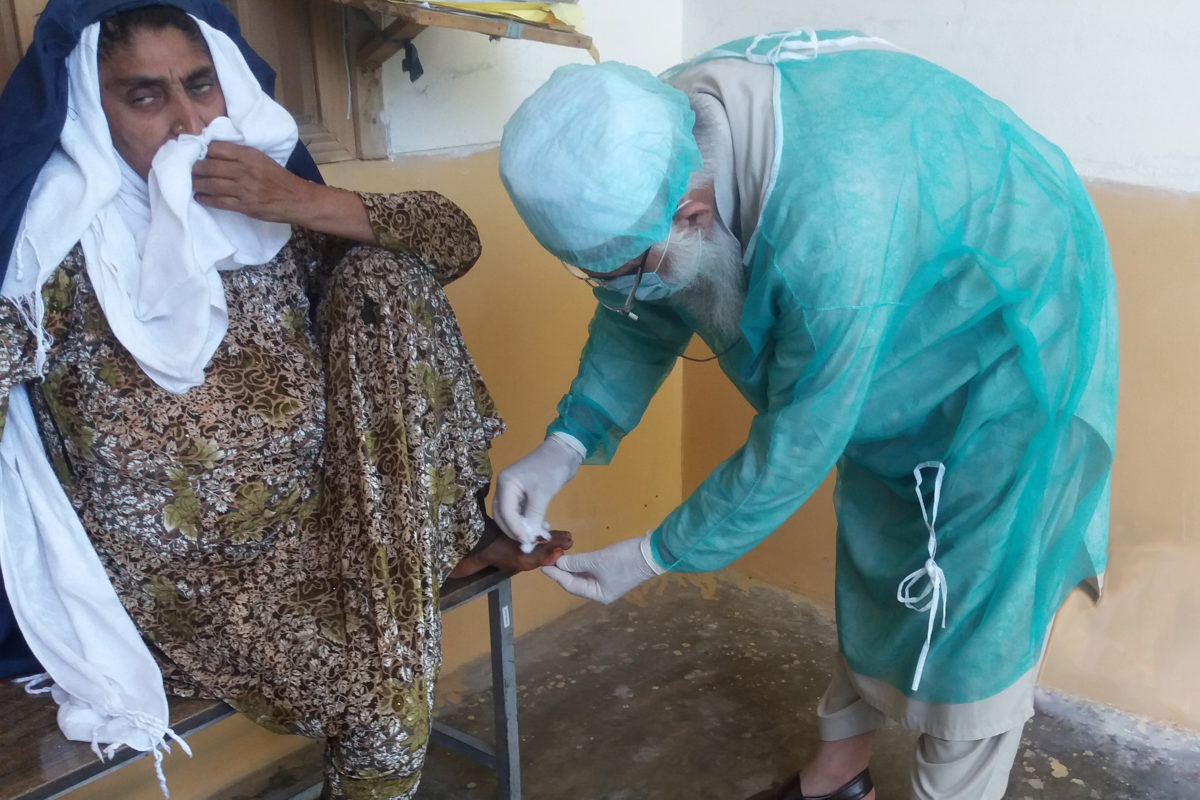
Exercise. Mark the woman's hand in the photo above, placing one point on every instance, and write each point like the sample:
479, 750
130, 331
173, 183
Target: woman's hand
238, 178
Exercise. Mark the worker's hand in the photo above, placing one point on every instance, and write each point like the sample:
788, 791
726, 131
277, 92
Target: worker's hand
524, 489
606, 574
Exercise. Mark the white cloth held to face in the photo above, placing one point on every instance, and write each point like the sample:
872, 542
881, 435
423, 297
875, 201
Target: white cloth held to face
169, 310
605, 575
526, 487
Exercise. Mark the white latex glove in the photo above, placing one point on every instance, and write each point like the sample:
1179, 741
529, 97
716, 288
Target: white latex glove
606, 574
525, 488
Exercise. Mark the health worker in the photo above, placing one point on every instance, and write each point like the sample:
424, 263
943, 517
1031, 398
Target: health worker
906, 283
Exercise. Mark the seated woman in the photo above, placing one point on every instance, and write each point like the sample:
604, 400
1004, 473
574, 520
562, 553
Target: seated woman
274, 437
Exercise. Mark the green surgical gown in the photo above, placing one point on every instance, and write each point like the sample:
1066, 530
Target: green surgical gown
929, 282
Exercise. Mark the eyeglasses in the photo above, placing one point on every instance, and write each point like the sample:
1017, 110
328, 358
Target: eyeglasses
600, 283
626, 310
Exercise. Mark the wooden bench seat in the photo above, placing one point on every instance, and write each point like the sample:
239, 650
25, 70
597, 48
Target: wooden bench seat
38, 763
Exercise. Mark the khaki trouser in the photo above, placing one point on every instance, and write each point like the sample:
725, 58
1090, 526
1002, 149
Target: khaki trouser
943, 768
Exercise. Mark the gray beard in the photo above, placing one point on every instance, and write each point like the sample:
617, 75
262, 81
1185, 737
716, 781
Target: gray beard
714, 298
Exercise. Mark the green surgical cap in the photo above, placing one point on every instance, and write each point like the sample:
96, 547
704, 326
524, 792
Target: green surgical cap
596, 161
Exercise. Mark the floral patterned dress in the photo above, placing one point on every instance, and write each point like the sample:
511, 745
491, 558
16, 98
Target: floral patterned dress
279, 533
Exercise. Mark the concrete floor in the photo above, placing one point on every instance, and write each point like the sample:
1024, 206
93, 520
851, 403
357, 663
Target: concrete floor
705, 688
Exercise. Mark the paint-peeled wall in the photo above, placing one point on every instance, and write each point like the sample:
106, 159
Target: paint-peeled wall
1112, 85
1135, 650
472, 85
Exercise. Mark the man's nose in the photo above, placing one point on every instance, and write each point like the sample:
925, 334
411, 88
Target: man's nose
186, 117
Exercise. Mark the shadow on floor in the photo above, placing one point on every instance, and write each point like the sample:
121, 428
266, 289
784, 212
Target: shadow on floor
706, 687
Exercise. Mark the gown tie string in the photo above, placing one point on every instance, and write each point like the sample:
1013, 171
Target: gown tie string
936, 589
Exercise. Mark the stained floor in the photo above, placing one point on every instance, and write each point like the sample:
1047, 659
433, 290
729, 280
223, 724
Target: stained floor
706, 688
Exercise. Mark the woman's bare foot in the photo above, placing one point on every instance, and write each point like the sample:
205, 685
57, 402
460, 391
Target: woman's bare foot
505, 553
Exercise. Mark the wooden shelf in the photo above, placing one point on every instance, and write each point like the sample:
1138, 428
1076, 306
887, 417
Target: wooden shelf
409, 20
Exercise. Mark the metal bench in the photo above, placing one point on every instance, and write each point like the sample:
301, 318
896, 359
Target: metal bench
505, 757
39, 764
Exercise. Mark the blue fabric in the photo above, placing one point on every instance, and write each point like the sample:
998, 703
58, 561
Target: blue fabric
930, 283
33, 107
15, 657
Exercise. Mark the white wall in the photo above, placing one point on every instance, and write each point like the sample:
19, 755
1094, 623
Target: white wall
472, 85
1112, 82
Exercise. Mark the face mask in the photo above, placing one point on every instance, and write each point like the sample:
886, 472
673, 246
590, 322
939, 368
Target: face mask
652, 287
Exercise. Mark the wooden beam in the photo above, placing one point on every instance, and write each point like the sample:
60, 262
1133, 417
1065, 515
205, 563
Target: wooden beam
378, 6
491, 26
370, 134
366, 94
387, 43
369, 47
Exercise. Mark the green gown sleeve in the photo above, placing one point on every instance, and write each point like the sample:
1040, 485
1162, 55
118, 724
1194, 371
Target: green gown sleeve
818, 380
621, 367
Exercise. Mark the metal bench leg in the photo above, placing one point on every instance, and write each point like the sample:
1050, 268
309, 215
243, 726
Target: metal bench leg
504, 692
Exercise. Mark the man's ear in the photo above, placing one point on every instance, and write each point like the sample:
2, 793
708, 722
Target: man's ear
697, 211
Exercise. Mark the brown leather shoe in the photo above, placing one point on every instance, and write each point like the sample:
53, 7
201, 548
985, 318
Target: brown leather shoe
856, 788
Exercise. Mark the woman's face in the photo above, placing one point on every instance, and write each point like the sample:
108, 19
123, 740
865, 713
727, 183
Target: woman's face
157, 86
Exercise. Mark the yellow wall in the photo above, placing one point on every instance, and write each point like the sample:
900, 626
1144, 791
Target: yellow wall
1134, 650
1137, 649
799, 555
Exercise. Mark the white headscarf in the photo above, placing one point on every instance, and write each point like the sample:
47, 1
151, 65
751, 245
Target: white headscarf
152, 252
153, 256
